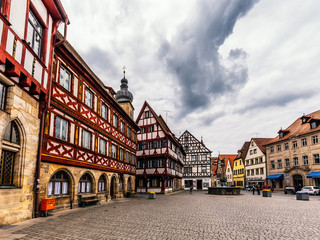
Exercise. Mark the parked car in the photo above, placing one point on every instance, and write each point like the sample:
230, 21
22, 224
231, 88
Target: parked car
311, 190
291, 190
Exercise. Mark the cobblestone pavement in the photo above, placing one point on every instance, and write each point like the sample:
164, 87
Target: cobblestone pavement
181, 216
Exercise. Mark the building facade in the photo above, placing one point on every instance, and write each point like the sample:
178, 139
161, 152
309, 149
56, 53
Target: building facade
229, 160
27, 29
238, 166
89, 145
197, 169
160, 157
255, 162
293, 156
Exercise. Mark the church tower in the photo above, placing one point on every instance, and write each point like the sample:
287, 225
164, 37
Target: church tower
124, 97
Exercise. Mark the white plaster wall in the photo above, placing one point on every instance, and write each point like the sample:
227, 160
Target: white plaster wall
49, 41
45, 80
10, 40
18, 52
38, 72
72, 130
51, 124
40, 8
28, 61
75, 86
18, 16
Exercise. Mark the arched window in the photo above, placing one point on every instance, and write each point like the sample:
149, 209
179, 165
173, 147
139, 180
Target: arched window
102, 184
10, 148
85, 184
59, 184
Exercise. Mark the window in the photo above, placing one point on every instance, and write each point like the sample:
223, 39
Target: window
35, 34
3, 93
255, 151
287, 160
88, 97
272, 165
193, 158
271, 149
281, 135
316, 158
313, 125
279, 148
260, 159
252, 162
85, 184
128, 132
133, 159
142, 129
261, 170
186, 138
102, 184
146, 114
203, 157
294, 144
115, 120
279, 163
122, 127
295, 161
11, 137
140, 164
164, 143
161, 163
154, 163
257, 171
65, 78
251, 152
257, 160
134, 136
248, 172
303, 142
104, 111
127, 157
86, 139
305, 160
102, 147
314, 139
121, 154
188, 170
151, 129
113, 151
203, 168
252, 172
286, 146
61, 128
59, 184
247, 162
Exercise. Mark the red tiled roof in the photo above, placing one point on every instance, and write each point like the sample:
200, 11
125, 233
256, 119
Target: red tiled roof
230, 157
261, 142
297, 128
214, 161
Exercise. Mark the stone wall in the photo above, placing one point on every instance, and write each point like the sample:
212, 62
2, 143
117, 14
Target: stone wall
74, 174
16, 202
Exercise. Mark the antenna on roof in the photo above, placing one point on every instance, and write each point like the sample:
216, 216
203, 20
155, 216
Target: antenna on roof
124, 71
166, 111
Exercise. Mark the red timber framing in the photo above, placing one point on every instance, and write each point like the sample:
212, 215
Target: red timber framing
18, 61
70, 103
160, 155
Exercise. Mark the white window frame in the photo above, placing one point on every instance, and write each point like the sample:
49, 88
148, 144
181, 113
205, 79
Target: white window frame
61, 127
65, 78
104, 111
88, 97
102, 146
86, 139
113, 151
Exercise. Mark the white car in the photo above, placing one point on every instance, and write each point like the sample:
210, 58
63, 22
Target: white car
311, 190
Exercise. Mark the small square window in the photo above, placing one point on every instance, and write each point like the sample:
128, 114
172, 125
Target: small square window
315, 139
286, 146
294, 144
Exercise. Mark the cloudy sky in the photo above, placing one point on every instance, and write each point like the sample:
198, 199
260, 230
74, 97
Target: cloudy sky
225, 70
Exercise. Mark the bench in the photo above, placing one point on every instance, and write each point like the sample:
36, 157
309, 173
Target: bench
86, 199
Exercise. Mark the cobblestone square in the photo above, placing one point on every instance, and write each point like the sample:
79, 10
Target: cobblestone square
181, 216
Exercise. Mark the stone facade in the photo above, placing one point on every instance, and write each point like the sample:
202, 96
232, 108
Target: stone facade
294, 153
74, 173
16, 201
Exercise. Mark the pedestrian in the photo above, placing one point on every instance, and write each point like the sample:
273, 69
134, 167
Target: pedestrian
253, 189
258, 189
191, 189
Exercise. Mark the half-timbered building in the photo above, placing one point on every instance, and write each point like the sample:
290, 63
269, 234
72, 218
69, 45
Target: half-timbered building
27, 28
89, 146
197, 169
160, 156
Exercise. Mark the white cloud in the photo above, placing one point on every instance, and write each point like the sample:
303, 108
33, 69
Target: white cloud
277, 43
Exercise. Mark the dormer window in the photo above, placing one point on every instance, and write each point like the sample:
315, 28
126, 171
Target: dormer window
281, 135
304, 119
313, 125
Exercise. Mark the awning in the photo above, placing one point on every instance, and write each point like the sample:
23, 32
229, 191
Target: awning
275, 176
314, 175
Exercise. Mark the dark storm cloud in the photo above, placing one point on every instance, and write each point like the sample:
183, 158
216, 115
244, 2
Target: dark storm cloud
101, 64
193, 57
277, 100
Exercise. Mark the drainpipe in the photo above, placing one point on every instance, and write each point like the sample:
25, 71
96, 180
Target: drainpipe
43, 115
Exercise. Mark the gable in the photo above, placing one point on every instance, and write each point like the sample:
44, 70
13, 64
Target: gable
191, 144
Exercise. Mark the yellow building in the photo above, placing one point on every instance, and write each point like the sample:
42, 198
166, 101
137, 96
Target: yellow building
238, 166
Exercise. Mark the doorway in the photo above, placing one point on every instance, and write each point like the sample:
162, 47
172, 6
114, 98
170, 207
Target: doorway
113, 187
297, 181
199, 184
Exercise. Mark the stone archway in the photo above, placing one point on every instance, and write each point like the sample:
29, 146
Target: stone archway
113, 184
297, 180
